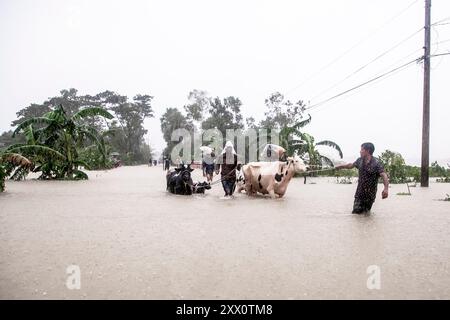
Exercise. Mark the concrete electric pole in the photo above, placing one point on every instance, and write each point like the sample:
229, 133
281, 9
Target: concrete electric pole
424, 174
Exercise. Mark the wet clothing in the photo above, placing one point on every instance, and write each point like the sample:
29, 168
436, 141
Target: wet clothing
208, 163
228, 160
228, 173
228, 187
366, 191
228, 167
361, 206
209, 168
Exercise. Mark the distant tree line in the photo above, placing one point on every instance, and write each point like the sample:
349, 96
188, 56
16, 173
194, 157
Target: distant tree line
124, 133
63, 134
281, 115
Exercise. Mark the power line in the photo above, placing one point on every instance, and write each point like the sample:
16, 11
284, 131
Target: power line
367, 64
364, 83
443, 41
318, 109
312, 76
405, 57
439, 54
442, 20
397, 69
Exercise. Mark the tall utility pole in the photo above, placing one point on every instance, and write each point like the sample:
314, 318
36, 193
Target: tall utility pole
424, 174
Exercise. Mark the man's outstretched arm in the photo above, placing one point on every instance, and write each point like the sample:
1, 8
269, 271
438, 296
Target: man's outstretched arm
345, 166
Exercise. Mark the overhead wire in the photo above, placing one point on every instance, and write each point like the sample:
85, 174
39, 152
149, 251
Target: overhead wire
363, 84
332, 62
367, 64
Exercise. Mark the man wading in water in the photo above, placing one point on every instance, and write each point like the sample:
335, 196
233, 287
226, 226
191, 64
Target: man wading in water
370, 169
228, 160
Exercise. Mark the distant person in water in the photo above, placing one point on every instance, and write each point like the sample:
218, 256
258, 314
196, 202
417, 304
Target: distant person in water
166, 164
208, 165
370, 169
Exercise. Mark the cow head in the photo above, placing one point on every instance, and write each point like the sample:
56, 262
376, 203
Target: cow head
184, 171
297, 162
184, 167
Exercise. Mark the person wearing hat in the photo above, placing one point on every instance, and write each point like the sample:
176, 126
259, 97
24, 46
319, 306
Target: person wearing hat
227, 164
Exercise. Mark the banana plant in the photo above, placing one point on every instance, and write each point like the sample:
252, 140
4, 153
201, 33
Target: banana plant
296, 141
8, 162
63, 135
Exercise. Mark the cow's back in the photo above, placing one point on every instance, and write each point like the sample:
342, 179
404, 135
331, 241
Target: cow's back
261, 176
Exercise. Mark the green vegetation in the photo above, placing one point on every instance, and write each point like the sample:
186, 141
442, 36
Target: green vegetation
10, 162
399, 172
202, 113
54, 140
289, 119
438, 171
69, 132
126, 131
394, 164
284, 116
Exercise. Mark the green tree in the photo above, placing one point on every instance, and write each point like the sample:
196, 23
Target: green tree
413, 173
97, 156
32, 111
295, 140
172, 120
224, 115
128, 127
130, 119
53, 146
72, 103
282, 113
308, 148
7, 139
395, 167
438, 171
197, 109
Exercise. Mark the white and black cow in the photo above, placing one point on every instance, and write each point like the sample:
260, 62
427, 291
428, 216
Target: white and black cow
269, 177
180, 182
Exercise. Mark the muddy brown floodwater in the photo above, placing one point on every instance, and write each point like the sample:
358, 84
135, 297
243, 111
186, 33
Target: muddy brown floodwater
132, 240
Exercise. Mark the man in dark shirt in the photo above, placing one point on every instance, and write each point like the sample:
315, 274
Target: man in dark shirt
228, 162
370, 169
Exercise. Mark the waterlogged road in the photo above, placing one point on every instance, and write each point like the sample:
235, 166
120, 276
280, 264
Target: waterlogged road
130, 239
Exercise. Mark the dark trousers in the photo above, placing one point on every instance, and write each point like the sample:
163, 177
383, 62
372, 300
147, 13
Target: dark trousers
362, 205
228, 186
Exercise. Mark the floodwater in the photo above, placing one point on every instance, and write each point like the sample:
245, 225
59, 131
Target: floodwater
132, 240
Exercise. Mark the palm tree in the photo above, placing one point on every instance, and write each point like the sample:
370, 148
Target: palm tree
307, 147
63, 136
296, 141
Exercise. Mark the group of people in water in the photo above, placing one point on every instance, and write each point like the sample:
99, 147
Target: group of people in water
369, 168
224, 164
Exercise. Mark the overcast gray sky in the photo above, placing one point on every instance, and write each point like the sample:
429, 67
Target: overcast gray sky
248, 49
